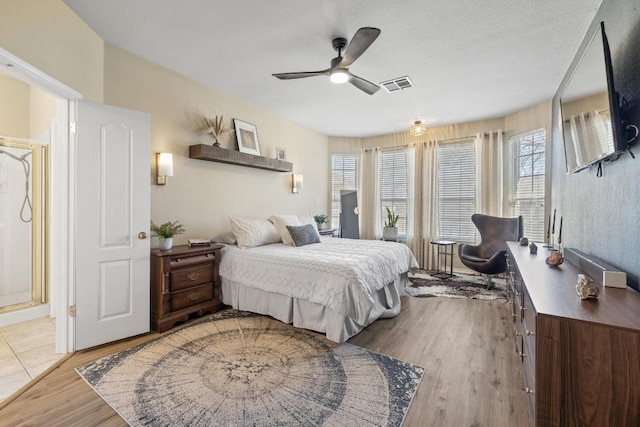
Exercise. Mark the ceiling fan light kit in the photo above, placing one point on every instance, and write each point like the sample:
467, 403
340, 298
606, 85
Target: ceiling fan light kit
339, 76
417, 128
339, 72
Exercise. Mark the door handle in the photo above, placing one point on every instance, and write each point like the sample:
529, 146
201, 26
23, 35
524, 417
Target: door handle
142, 235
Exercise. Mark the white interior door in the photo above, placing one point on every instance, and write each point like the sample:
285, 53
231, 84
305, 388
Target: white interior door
112, 209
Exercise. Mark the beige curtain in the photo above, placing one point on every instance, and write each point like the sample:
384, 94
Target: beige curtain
490, 173
369, 195
428, 191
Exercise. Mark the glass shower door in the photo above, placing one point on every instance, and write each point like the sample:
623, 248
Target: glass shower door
22, 214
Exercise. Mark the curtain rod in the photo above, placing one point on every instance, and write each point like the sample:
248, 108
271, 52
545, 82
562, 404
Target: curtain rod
366, 150
469, 137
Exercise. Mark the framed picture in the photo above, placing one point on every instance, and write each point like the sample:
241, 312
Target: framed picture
281, 153
247, 136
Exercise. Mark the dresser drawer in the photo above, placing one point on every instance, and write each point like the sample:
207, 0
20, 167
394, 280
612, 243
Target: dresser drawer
529, 383
192, 296
192, 276
529, 324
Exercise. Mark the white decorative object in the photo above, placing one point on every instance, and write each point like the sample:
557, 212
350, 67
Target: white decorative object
166, 243
390, 233
614, 279
586, 287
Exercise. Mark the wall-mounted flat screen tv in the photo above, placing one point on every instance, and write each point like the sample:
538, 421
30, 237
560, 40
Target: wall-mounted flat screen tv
590, 108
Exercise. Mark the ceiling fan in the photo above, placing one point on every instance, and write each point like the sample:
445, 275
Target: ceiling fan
339, 70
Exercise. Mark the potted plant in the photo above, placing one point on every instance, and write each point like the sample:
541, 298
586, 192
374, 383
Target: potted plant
322, 220
165, 232
390, 231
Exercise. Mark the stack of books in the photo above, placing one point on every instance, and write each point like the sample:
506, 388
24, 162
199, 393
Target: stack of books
199, 242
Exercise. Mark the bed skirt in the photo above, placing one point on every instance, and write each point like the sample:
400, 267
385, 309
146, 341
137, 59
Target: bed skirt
309, 315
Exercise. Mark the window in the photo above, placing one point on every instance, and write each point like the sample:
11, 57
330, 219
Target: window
527, 175
456, 190
396, 185
343, 177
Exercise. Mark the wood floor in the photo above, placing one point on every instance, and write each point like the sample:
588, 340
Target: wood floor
472, 373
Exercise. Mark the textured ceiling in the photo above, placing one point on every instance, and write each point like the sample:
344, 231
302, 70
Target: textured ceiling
468, 60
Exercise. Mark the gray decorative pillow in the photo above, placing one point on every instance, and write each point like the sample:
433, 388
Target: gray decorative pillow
303, 234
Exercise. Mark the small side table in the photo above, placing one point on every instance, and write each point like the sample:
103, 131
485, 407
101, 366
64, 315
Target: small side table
445, 251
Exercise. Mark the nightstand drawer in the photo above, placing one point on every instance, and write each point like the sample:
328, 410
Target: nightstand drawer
193, 276
182, 261
192, 296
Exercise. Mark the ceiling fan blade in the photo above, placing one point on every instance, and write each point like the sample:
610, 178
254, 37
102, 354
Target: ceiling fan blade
360, 42
301, 75
363, 85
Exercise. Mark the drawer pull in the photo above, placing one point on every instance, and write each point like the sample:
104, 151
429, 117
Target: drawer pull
528, 390
193, 296
529, 333
522, 354
193, 276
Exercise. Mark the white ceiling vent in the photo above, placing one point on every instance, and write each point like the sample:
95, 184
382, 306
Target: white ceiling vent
395, 85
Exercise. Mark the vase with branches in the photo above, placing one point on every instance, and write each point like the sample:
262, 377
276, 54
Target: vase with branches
216, 128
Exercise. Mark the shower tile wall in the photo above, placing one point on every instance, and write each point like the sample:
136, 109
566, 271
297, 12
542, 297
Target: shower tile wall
26, 350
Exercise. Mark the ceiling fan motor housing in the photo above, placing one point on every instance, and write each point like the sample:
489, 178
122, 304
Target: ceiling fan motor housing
339, 43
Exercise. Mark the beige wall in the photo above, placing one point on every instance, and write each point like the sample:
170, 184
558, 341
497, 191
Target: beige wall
14, 107
49, 36
42, 109
25, 111
438, 133
536, 117
202, 194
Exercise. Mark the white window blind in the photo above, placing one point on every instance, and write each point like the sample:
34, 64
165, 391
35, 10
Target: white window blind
456, 190
527, 173
343, 177
396, 182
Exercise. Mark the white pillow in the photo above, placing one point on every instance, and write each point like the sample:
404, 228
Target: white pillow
227, 237
253, 232
281, 222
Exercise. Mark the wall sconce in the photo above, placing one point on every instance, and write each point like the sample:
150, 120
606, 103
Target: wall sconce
417, 128
165, 167
296, 183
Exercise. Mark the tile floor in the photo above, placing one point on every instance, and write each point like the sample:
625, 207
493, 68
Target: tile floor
26, 350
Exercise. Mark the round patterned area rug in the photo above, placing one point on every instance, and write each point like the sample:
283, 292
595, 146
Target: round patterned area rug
241, 369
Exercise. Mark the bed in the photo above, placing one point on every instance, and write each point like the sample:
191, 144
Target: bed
336, 287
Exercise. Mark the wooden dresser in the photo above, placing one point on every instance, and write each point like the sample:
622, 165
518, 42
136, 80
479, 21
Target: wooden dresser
580, 358
184, 281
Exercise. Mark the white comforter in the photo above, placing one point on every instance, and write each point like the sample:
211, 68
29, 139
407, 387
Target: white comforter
341, 274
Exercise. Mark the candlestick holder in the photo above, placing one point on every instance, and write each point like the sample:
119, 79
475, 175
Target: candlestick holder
552, 246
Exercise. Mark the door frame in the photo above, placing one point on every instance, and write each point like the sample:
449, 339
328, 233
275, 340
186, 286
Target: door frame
60, 242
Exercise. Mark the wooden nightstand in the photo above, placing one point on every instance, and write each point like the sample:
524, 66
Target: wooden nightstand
184, 281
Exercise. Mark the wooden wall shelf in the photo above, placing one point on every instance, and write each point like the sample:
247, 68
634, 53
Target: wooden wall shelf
222, 155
